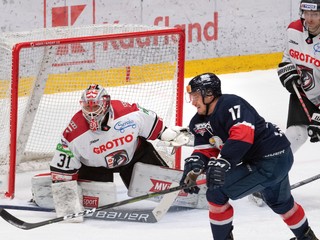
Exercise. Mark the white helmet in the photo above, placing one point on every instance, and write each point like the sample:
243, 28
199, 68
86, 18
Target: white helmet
95, 102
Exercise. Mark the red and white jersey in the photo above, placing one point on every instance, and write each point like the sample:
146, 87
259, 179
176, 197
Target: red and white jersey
306, 58
111, 147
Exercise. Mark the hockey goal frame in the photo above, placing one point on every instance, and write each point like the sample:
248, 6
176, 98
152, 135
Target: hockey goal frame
16, 49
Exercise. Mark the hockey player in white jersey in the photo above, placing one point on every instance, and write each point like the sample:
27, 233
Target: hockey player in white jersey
301, 66
105, 137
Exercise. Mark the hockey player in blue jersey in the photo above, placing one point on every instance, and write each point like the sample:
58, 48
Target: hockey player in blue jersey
240, 153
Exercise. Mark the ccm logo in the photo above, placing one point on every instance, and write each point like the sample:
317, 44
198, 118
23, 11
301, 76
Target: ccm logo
90, 201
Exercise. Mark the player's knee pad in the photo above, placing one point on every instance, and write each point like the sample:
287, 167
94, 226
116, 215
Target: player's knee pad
297, 135
148, 178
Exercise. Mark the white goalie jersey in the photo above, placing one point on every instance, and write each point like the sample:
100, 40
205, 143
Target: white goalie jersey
112, 146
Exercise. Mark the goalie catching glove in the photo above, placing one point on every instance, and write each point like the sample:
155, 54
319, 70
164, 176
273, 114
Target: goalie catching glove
288, 74
175, 136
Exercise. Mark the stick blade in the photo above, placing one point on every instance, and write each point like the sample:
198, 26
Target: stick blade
22, 224
13, 220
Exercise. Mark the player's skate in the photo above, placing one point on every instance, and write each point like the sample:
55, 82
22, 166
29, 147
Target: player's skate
309, 235
230, 237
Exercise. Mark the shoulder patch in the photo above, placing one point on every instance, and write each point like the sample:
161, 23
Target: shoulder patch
77, 126
122, 108
296, 25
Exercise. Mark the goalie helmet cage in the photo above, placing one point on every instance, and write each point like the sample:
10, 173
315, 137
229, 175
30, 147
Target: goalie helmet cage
43, 73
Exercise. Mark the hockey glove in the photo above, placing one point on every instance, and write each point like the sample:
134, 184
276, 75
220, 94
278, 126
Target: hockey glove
288, 74
193, 167
314, 133
175, 136
216, 172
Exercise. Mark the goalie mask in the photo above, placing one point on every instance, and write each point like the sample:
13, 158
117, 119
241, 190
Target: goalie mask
95, 102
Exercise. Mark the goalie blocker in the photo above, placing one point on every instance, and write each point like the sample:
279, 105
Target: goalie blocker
146, 178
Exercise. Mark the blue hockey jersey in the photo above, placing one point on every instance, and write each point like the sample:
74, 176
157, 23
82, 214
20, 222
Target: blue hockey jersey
245, 135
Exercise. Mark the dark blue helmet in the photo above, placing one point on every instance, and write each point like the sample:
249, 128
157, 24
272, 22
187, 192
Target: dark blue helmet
208, 84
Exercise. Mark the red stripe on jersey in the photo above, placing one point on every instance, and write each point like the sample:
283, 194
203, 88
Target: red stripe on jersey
297, 25
297, 218
242, 132
208, 152
155, 132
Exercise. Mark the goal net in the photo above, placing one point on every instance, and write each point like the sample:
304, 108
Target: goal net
43, 73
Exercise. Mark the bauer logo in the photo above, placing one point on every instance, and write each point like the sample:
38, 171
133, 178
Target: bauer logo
71, 13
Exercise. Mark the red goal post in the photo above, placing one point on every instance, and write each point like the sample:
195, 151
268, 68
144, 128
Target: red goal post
44, 71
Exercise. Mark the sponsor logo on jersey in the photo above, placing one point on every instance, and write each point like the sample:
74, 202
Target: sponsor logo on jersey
304, 57
64, 148
201, 128
316, 48
113, 144
121, 126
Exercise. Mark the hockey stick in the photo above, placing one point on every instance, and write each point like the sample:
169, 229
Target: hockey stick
301, 101
27, 208
255, 197
27, 226
303, 182
127, 215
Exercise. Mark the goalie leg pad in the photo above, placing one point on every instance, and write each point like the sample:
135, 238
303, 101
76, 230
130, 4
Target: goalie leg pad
148, 178
67, 198
41, 190
95, 194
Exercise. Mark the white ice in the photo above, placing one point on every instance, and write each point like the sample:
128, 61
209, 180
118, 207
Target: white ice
264, 91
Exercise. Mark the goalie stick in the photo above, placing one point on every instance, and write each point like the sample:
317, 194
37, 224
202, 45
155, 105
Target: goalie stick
127, 215
27, 226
